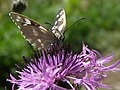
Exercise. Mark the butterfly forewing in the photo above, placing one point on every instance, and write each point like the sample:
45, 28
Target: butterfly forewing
36, 34
59, 24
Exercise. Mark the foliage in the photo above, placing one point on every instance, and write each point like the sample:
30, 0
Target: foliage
100, 29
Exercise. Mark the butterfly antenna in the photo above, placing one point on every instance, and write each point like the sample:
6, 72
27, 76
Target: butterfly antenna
74, 23
48, 23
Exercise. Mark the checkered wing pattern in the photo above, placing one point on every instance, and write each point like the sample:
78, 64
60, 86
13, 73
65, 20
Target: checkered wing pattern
59, 24
33, 32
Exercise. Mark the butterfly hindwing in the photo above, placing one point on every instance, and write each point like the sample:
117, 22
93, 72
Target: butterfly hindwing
59, 24
36, 34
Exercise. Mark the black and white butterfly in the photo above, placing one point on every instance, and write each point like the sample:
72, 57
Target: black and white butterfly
19, 6
37, 34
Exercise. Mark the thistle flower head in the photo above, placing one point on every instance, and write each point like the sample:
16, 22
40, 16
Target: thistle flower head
64, 70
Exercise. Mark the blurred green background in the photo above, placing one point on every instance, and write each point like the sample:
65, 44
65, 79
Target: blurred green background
100, 30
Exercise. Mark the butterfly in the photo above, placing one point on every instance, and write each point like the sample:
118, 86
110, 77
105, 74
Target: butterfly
19, 6
38, 35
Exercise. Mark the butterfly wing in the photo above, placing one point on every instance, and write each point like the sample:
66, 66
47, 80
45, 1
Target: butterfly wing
33, 32
59, 24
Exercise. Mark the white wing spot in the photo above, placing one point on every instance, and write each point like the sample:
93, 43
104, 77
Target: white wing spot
57, 15
43, 31
42, 45
39, 40
18, 26
27, 21
61, 13
42, 27
35, 32
12, 19
33, 44
17, 20
15, 23
28, 40
53, 28
25, 24
18, 17
23, 35
55, 22
10, 15
21, 32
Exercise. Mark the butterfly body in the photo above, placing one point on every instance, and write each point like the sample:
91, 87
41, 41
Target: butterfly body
37, 34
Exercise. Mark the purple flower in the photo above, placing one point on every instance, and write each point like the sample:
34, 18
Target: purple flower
93, 70
64, 70
44, 73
